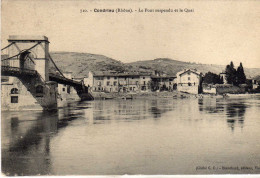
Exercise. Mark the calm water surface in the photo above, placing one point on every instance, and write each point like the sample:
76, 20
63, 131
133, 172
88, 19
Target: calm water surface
142, 136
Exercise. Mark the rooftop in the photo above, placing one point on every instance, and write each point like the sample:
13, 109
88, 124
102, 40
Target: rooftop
189, 70
27, 38
118, 74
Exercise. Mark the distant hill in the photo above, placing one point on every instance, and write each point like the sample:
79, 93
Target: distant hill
257, 78
81, 63
171, 67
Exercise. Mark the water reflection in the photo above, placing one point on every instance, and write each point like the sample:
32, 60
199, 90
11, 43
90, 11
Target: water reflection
210, 105
26, 139
27, 143
234, 110
236, 113
37, 143
129, 110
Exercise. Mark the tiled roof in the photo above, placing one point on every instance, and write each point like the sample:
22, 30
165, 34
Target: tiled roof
155, 76
188, 70
117, 74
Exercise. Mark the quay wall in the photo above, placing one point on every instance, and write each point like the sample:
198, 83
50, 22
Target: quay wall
209, 89
188, 89
227, 88
28, 94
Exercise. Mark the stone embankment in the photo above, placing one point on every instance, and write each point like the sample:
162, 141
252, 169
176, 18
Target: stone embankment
128, 95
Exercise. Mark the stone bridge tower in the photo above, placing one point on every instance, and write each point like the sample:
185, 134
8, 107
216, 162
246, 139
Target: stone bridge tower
36, 58
19, 92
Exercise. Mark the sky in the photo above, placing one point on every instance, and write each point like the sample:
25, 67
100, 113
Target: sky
215, 33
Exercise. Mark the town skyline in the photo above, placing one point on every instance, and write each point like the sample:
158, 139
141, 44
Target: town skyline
189, 37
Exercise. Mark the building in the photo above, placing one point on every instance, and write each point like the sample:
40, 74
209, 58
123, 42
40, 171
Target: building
112, 81
163, 82
255, 84
223, 76
65, 89
67, 92
188, 80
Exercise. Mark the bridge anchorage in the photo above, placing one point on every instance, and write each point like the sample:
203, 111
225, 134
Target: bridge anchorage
27, 80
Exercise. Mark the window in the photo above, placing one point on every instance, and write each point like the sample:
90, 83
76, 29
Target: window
108, 83
14, 91
131, 88
189, 84
144, 82
115, 77
63, 89
115, 83
39, 89
68, 89
14, 99
143, 77
108, 78
188, 78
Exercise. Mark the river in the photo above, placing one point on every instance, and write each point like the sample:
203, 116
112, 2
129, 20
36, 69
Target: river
141, 136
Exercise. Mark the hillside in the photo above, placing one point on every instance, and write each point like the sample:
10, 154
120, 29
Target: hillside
81, 63
171, 67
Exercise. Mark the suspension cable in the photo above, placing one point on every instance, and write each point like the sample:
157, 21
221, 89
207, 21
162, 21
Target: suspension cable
27, 55
56, 65
21, 52
7, 46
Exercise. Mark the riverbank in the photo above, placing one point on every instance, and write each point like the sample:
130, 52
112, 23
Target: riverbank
165, 94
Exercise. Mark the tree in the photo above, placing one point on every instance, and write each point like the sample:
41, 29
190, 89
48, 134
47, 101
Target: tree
241, 77
231, 74
211, 78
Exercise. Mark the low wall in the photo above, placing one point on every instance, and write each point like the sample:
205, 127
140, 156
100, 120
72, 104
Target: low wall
26, 98
189, 89
209, 89
227, 88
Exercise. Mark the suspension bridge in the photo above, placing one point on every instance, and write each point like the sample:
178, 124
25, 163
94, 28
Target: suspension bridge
27, 59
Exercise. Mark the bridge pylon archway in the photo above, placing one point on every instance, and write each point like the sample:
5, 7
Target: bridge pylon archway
36, 48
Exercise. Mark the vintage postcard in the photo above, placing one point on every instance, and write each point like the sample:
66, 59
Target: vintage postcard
143, 87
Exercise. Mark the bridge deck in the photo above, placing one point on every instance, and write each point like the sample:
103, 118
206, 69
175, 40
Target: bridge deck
17, 72
62, 80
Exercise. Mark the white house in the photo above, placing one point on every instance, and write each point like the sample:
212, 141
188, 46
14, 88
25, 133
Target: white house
223, 75
188, 80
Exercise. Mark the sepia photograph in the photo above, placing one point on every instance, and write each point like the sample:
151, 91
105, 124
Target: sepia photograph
142, 87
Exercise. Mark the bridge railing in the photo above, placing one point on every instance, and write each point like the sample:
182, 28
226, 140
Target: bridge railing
9, 70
